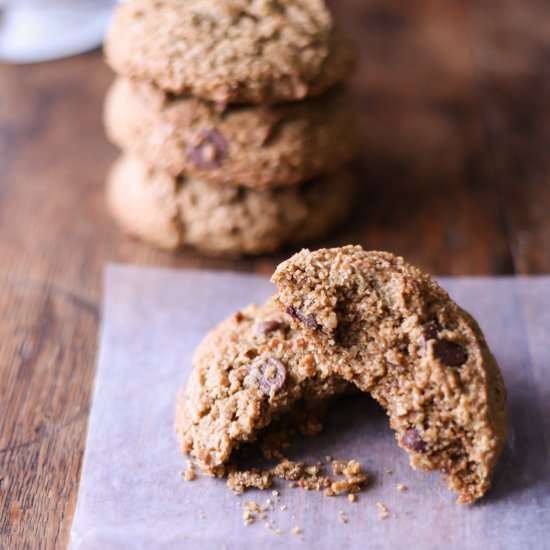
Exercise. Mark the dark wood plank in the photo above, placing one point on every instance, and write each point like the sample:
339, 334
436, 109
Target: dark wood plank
424, 145
511, 50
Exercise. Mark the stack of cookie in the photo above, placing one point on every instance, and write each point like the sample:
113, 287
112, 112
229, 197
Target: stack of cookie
232, 121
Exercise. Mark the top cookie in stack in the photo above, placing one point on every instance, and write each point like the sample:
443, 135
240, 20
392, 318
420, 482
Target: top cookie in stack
235, 106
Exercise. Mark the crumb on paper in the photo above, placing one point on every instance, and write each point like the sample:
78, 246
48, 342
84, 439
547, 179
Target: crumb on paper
355, 478
383, 510
401, 487
239, 481
283, 507
342, 518
252, 511
248, 517
190, 474
308, 477
296, 531
352, 497
201, 514
388, 471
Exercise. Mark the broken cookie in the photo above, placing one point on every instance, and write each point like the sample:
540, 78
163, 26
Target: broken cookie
394, 332
247, 372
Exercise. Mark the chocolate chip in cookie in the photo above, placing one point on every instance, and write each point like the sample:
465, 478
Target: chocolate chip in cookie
272, 376
267, 327
413, 441
450, 353
429, 333
308, 320
210, 150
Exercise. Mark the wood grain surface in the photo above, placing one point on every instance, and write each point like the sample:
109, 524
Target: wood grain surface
454, 120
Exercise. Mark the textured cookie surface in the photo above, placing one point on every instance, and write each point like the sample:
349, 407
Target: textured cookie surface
249, 370
223, 219
391, 330
230, 50
256, 146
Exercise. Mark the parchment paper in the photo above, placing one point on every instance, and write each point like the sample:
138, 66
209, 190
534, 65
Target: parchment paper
132, 494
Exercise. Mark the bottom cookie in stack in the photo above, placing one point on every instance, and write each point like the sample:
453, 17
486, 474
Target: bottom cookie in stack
172, 212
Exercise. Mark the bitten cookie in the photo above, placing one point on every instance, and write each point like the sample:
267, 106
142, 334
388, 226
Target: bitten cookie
246, 372
223, 219
261, 51
389, 328
257, 146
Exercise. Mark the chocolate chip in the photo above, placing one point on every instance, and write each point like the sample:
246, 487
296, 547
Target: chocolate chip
272, 376
429, 332
308, 320
413, 441
238, 316
292, 312
450, 353
210, 150
269, 326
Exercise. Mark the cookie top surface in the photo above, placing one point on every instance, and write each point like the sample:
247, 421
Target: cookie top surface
230, 50
223, 219
256, 146
246, 372
394, 332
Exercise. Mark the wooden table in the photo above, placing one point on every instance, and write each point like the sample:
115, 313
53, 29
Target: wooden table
454, 119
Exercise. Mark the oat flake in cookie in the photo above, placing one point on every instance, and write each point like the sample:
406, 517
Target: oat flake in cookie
246, 372
260, 51
390, 329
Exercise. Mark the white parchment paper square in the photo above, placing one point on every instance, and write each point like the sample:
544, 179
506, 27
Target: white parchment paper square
132, 494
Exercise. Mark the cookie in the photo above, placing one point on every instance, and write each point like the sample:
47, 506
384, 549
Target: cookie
249, 370
257, 146
223, 219
392, 331
230, 51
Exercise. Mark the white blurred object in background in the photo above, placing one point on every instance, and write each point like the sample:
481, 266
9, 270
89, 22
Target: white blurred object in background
40, 30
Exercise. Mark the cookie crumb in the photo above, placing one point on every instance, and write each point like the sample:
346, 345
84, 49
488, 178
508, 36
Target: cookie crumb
383, 510
248, 517
275, 493
239, 481
253, 510
342, 518
355, 478
296, 531
190, 474
401, 488
283, 507
352, 497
